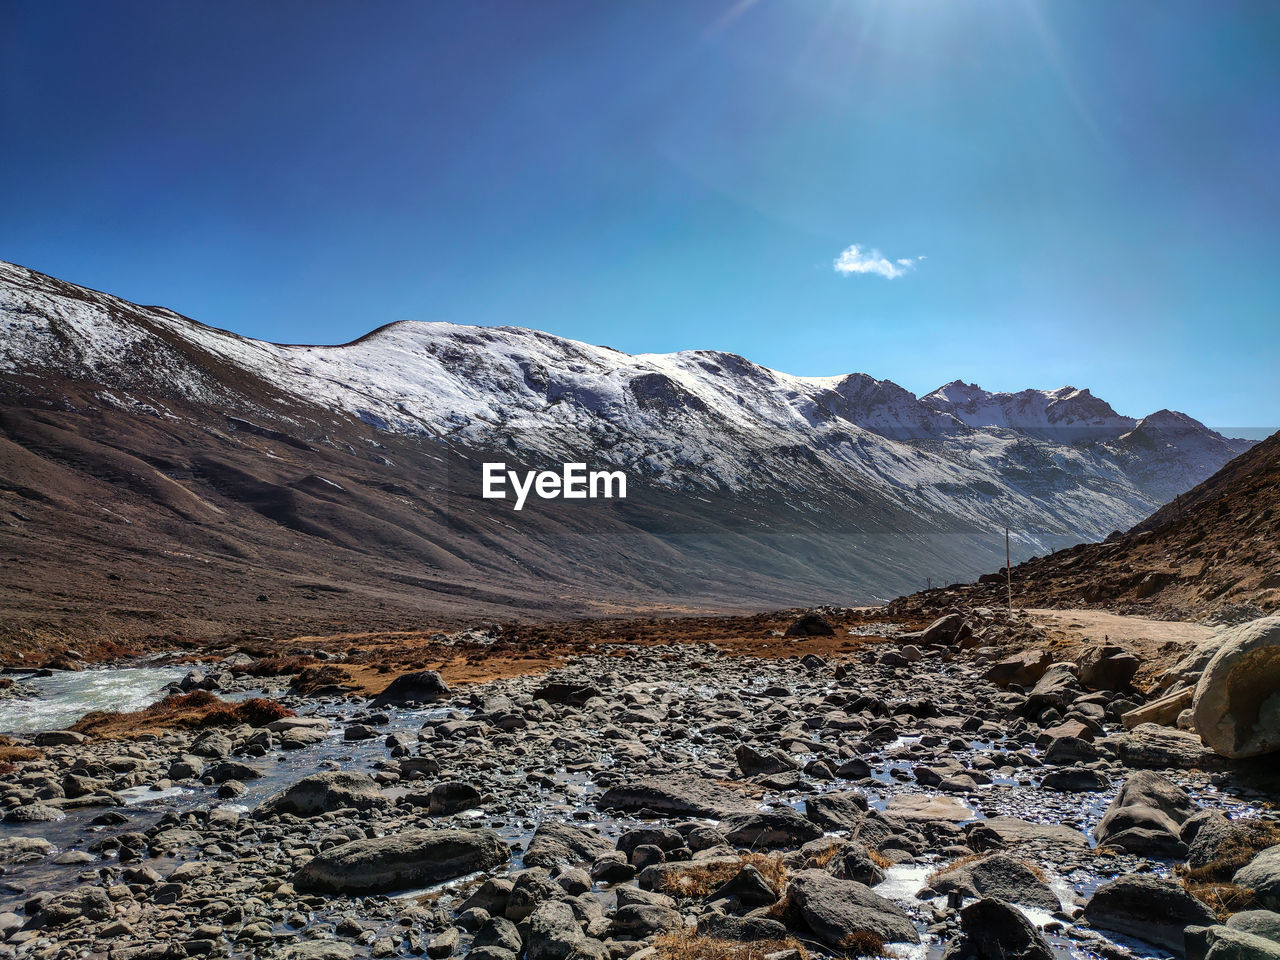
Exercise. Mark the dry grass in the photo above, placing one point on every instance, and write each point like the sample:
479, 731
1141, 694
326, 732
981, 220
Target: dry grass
953, 865
1224, 899
1212, 882
700, 880
275, 666
690, 946
11, 753
879, 859
825, 855
863, 943
181, 711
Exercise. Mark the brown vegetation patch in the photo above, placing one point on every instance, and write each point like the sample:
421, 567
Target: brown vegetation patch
11, 753
690, 946
181, 711
864, 943
1212, 882
508, 650
879, 859
1224, 899
275, 667
700, 880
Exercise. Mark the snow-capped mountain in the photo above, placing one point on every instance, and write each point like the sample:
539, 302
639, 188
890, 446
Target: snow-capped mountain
834, 454
1065, 414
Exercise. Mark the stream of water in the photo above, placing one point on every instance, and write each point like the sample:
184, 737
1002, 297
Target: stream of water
63, 697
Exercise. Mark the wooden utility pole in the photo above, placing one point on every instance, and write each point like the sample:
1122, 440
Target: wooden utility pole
1008, 569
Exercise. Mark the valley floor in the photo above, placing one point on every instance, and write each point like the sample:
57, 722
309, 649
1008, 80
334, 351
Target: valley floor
706, 787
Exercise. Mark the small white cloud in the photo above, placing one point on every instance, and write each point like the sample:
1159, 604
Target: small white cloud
858, 259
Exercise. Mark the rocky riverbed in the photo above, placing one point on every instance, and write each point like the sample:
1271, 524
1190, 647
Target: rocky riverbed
942, 793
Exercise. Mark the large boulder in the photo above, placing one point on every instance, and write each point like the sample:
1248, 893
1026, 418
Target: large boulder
944, 632
811, 625
678, 795
323, 793
555, 842
1149, 908
769, 829
990, 929
1237, 701
1023, 668
1262, 876
422, 686
1107, 667
1146, 817
837, 910
402, 861
84, 903
842, 810
1149, 746
998, 876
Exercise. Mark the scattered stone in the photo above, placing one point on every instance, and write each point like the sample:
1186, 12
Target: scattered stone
413, 858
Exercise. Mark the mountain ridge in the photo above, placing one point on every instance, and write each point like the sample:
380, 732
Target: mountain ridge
752, 485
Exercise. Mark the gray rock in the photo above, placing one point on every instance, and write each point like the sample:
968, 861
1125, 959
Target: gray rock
554, 932
769, 829
34, 813
836, 811
423, 686
1148, 908
1075, 780
740, 929
753, 762
992, 930
640, 921
676, 794
1262, 876
59, 738
323, 793
1149, 746
1107, 667
24, 849
1261, 923
1146, 817
315, 950
1237, 700
1227, 943
999, 876
1013, 832
499, 932
555, 842
413, 858
837, 909
450, 797
89, 903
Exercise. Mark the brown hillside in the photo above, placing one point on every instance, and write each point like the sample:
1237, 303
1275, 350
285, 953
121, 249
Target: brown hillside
1215, 546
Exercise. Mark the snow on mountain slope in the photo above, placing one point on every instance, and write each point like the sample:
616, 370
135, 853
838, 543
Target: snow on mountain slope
1072, 414
1056, 466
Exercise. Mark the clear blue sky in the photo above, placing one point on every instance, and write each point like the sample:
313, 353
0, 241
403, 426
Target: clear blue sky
1093, 184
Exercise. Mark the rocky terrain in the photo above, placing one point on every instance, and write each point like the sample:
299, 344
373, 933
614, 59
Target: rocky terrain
1213, 550
974, 788
279, 489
